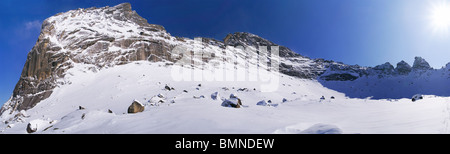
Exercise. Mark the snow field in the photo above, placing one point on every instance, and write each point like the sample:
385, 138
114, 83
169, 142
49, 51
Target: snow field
115, 89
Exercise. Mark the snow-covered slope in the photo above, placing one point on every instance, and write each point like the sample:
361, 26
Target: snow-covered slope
185, 111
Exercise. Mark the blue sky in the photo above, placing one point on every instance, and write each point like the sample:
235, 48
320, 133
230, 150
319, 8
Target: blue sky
363, 32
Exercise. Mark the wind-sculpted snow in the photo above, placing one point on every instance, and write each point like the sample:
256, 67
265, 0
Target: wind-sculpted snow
106, 94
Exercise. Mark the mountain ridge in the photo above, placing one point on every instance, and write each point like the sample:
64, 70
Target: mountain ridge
110, 36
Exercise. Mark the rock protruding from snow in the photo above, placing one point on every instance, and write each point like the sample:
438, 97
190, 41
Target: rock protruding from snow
135, 107
268, 103
215, 96
233, 102
416, 97
198, 97
262, 103
403, 68
31, 128
38, 124
156, 100
168, 88
420, 64
322, 98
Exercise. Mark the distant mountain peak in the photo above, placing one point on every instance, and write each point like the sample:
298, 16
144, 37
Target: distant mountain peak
385, 68
420, 64
403, 68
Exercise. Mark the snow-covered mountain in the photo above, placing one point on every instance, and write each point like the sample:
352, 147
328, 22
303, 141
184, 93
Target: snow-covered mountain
89, 65
385, 81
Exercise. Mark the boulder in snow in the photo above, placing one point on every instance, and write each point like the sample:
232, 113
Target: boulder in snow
160, 96
135, 107
31, 128
198, 97
243, 89
168, 88
35, 125
417, 97
233, 102
157, 99
262, 103
322, 98
215, 96
268, 103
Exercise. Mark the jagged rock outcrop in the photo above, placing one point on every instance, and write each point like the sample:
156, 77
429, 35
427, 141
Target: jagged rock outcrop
385, 68
291, 63
403, 68
420, 64
247, 39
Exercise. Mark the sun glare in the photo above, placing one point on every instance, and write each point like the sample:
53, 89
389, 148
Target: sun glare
440, 17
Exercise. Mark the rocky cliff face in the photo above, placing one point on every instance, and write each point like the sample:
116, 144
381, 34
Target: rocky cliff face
248, 39
291, 63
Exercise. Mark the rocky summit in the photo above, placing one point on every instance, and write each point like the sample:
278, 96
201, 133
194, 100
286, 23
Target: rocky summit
420, 64
403, 68
104, 36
